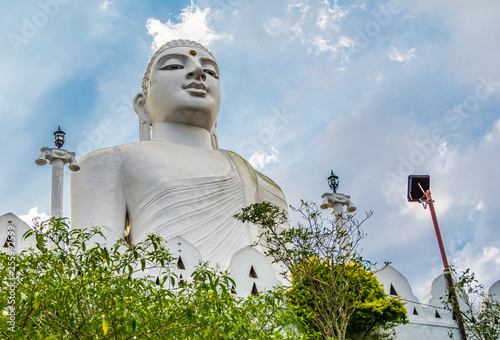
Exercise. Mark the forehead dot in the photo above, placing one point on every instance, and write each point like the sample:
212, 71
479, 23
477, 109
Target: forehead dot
193, 53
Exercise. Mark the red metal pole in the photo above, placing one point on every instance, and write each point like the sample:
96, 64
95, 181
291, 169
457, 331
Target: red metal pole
436, 229
447, 274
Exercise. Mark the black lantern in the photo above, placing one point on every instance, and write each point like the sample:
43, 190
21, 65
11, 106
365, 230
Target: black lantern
333, 182
59, 138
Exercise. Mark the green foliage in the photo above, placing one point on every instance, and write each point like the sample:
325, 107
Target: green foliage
480, 311
373, 308
331, 287
68, 289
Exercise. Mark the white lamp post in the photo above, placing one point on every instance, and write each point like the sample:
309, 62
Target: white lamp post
337, 202
58, 158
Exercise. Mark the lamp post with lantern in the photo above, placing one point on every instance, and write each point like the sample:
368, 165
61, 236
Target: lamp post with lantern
338, 201
58, 158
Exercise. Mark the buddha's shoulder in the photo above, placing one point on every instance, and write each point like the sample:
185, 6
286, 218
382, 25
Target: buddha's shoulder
263, 181
113, 154
139, 151
241, 162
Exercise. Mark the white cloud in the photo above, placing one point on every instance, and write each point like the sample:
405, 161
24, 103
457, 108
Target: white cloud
322, 20
274, 26
322, 45
329, 16
396, 55
106, 4
362, 6
297, 4
193, 25
471, 27
297, 29
345, 42
315, 26
32, 214
484, 262
478, 208
378, 77
491, 254
260, 158
494, 135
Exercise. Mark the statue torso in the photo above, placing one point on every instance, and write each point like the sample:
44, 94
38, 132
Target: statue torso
174, 190
148, 165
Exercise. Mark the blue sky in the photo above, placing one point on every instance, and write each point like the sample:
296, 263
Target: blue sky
375, 90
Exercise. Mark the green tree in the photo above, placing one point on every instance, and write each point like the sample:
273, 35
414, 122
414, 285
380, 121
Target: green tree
331, 286
68, 290
480, 311
374, 309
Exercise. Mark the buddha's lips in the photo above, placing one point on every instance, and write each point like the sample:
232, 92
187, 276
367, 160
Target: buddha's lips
195, 85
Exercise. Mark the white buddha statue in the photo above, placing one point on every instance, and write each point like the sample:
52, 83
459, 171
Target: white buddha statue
178, 184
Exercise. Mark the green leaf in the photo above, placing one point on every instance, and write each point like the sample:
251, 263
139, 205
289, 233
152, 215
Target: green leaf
133, 324
39, 241
105, 326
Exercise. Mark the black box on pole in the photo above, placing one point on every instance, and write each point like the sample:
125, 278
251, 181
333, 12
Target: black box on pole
414, 191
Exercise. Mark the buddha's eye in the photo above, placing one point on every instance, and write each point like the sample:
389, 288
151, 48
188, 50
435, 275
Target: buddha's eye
172, 67
211, 72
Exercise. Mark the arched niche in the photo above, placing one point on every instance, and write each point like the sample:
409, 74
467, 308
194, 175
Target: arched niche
12, 229
252, 272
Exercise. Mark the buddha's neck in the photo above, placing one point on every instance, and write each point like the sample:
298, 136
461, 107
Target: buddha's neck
182, 134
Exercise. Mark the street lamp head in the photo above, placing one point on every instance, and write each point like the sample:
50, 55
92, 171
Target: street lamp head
333, 182
59, 138
417, 186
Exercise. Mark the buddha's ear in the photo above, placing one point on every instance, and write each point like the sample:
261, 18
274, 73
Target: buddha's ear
144, 119
139, 105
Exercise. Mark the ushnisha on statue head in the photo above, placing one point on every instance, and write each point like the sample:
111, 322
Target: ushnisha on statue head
181, 86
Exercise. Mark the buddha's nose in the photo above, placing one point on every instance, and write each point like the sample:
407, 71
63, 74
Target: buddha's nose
196, 71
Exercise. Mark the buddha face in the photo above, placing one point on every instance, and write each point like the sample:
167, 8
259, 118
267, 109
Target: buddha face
184, 88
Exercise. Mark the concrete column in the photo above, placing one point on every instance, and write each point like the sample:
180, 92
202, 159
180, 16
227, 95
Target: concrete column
337, 202
338, 210
57, 187
57, 157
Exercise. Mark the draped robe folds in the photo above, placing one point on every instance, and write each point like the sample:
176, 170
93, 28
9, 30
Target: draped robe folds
158, 187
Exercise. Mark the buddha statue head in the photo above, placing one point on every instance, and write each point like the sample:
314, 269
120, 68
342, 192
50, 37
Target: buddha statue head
181, 85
